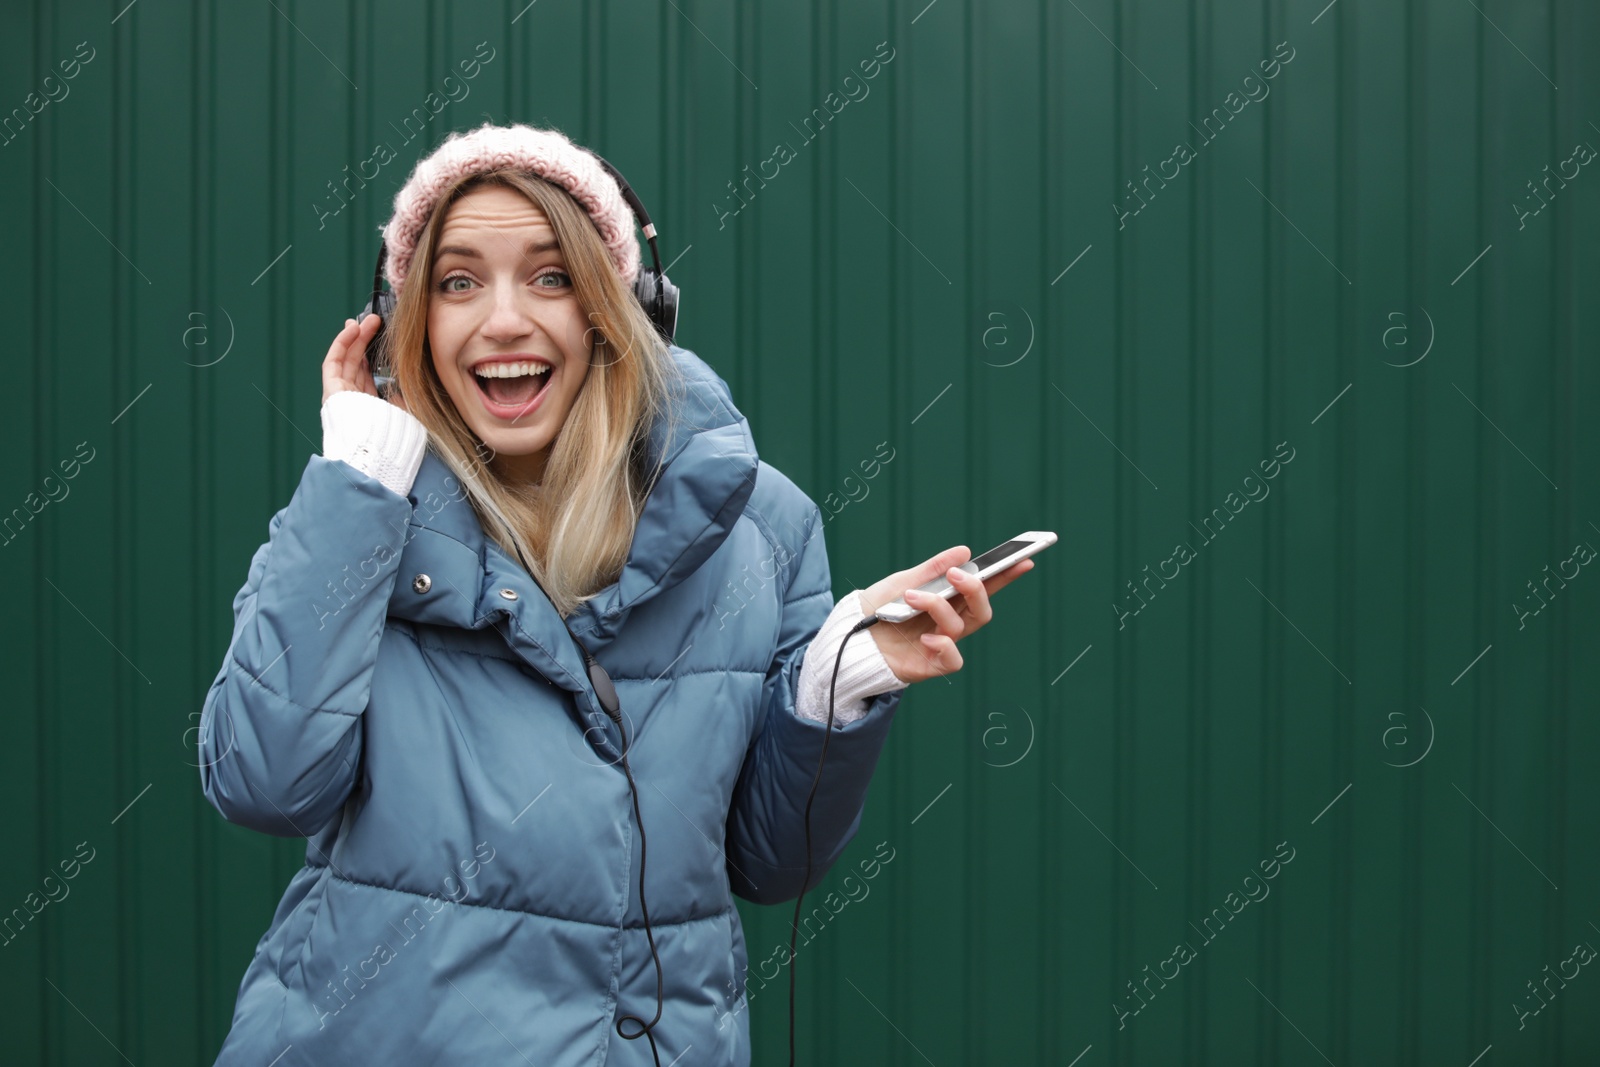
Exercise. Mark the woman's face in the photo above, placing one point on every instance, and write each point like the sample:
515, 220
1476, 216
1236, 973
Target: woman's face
510, 343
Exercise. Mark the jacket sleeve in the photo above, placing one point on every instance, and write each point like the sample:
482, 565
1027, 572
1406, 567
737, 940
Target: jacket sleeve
863, 672
766, 833
280, 730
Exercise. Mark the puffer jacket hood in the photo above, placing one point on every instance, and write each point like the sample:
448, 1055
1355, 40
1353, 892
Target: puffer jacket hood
399, 692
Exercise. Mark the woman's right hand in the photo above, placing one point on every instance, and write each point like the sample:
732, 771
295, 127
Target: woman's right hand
345, 366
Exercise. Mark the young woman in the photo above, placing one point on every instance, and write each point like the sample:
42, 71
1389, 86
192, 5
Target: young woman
407, 684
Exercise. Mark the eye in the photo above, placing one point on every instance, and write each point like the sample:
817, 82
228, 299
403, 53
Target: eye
566, 279
444, 283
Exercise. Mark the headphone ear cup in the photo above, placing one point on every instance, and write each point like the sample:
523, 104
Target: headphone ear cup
669, 308
645, 291
659, 298
382, 304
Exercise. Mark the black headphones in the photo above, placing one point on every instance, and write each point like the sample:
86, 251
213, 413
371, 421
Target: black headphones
652, 288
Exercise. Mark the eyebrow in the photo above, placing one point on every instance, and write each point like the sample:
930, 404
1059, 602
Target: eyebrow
534, 247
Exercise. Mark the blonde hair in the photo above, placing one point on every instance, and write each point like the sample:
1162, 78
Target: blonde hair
573, 530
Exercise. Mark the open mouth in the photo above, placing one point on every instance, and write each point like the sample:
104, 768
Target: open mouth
513, 385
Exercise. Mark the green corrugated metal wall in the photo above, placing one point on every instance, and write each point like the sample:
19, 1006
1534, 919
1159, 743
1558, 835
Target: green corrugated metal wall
950, 262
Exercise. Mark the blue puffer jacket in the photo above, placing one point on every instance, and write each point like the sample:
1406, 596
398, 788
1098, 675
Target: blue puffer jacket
399, 692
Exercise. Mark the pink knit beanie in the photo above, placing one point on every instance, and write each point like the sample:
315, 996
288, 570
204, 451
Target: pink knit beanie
547, 153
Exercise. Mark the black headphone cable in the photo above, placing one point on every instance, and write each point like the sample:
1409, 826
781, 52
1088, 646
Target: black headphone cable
606, 693
645, 1028
794, 925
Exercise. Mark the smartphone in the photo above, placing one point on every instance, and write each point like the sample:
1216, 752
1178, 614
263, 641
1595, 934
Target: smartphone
990, 563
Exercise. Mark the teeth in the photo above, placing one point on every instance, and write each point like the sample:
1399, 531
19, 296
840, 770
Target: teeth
511, 370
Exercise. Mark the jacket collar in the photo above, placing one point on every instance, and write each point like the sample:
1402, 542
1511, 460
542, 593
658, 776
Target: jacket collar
710, 471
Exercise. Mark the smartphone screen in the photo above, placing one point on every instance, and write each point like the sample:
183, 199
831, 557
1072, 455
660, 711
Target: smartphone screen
976, 564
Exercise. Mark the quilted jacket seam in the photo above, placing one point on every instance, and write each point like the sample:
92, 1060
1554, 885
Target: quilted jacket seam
239, 666
336, 876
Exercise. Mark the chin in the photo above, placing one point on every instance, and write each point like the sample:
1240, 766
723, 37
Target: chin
513, 444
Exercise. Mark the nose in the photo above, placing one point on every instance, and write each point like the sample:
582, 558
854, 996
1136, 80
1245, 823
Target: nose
510, 314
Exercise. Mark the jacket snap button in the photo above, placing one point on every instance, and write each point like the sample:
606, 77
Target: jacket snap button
422, 583
509, 594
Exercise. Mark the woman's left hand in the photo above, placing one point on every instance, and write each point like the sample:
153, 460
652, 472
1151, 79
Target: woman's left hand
924, 646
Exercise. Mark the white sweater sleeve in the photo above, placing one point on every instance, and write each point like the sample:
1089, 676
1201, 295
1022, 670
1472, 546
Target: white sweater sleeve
863, 674
375, 437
